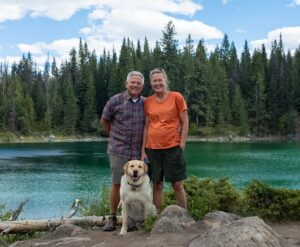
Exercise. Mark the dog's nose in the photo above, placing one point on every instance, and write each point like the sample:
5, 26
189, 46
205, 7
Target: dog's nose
135, 172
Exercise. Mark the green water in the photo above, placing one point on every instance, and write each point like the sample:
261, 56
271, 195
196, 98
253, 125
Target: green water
52, 175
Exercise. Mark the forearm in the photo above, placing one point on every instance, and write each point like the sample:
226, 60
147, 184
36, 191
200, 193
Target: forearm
143, 153
105, 124
184, 128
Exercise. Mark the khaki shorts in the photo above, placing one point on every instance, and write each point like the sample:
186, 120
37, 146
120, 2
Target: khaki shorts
116, 166
166, 163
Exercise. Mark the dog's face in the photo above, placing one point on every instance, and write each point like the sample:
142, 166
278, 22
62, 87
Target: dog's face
135, 169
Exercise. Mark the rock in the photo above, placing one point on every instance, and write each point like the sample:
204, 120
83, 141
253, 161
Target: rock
67, 230
245, 232
219, 218
172, 219
64, 235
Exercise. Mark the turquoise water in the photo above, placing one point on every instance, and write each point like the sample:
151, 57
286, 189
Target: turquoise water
52, 175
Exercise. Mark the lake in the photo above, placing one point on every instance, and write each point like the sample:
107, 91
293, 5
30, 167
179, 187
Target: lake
52, 175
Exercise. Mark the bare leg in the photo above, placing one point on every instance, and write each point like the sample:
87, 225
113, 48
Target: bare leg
158, 194
180, 194
114, 198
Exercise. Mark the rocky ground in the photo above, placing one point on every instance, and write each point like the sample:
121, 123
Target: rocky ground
73, 236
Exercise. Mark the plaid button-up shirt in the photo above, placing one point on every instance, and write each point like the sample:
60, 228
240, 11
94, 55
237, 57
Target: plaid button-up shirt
127, 120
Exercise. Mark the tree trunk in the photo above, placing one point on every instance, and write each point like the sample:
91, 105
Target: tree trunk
25, 226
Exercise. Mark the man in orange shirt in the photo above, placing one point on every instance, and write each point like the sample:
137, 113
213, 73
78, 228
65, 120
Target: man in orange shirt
165, 134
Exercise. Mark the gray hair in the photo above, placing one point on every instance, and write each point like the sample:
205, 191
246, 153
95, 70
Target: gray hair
135, 73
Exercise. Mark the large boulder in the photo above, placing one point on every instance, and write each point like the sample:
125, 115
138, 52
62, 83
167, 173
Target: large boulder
172, 219
227, 230
219, 218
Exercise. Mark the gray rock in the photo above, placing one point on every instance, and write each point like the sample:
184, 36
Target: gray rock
245, 232
219, 218
172, 219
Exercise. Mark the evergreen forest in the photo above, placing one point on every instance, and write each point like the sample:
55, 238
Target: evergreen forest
249, 93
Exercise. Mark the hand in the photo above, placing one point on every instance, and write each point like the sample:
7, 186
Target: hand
182, 146
144, 156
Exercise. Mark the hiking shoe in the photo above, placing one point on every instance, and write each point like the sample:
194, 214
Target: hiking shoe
111, 224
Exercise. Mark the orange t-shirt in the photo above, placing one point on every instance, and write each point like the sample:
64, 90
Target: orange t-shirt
164, 120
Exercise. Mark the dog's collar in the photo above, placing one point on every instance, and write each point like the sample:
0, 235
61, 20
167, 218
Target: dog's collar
134, 186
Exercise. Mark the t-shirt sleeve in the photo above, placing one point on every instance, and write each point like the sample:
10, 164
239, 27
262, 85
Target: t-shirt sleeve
108, 110
180, 103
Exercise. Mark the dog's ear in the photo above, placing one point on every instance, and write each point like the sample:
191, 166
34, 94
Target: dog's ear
146, 168
125, 167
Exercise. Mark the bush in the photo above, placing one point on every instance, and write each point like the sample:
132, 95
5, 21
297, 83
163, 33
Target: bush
208, 195
275, 204
7, 137
5, 214
193, 129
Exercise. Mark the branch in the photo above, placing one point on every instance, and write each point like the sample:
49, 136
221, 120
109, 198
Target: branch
17, 212
50, 224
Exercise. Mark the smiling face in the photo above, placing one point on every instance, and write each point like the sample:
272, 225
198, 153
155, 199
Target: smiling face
135, 169
158, 83
134, 86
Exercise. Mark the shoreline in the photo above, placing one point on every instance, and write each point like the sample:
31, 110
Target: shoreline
231, 139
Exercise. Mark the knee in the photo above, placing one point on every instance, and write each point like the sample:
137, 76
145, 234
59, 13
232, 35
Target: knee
115, 188
178, 186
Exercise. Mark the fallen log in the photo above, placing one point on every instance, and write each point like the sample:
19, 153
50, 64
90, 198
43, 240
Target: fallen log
25, 226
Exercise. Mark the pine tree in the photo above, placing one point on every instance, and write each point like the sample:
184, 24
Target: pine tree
257, 108
69, 102
113, 84
170, 57
147, 66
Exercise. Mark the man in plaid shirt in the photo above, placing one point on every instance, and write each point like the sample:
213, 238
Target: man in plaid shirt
123, 118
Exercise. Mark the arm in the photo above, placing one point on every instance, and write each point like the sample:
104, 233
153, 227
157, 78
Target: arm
105, 124
143, 153
184, 119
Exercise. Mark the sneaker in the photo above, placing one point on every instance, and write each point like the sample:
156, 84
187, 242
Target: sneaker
111, 224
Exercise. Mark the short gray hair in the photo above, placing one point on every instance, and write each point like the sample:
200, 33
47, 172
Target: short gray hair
135, 73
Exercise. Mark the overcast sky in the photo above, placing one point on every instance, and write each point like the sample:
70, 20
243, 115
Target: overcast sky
53, 27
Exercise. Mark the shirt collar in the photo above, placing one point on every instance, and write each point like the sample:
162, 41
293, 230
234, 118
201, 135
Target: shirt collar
129, 97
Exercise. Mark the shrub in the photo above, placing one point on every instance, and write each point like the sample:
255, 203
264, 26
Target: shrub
275, 204
193, 129
209, 195
5, 214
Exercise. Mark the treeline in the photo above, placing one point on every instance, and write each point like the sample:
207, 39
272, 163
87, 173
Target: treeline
251, 93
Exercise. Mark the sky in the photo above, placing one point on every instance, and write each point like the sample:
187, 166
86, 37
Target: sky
51, 28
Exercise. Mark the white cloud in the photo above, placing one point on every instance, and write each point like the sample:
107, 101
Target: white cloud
10, 59
64, 9
57, 10
240, 30
290, 38
294, 3
109, 21
225, 1
11, 12
135, 22
60, 47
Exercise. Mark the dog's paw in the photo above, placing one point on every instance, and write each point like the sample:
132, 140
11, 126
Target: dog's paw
123, 232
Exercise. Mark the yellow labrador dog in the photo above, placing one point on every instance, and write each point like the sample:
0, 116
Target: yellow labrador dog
136, 193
